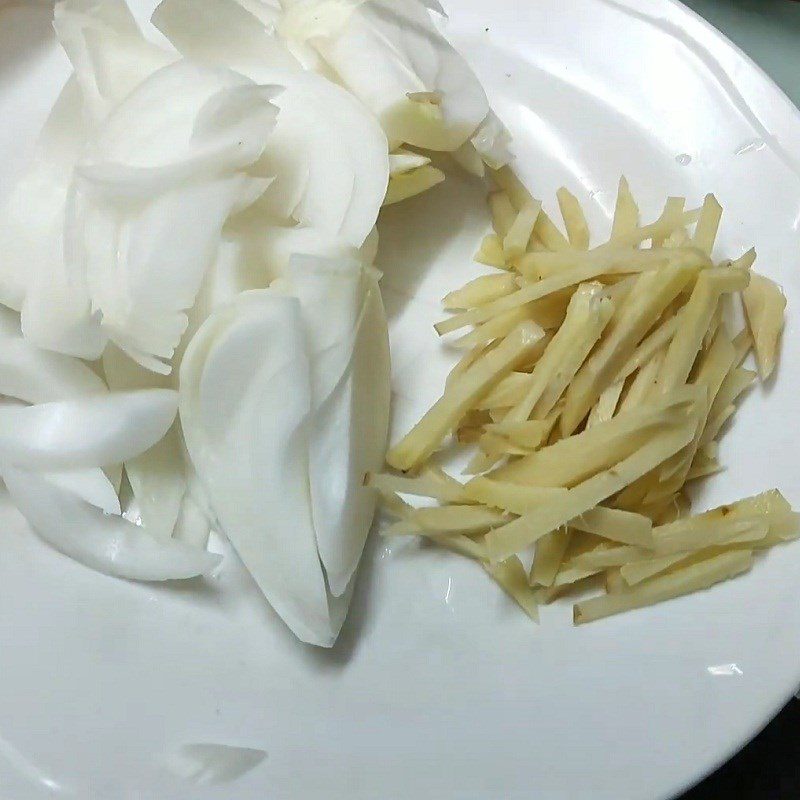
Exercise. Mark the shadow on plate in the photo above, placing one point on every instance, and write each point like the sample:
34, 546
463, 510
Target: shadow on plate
414, 233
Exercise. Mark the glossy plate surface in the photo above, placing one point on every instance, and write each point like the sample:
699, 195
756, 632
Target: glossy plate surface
439, 687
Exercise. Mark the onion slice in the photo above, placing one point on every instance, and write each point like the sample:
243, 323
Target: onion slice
208, 764
107, 50
390, 55
89, 432
151, 194
157, 476
222, 32
37, 376
350, 385
91, 485
327, 154
108, 544
244, 409
32, 216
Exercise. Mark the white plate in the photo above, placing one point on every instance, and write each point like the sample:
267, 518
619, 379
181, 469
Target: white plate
439, 688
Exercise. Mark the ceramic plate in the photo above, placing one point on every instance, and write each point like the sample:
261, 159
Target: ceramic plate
439, 687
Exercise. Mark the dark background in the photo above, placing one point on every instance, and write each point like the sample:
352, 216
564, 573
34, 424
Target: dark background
767, 30
767, 769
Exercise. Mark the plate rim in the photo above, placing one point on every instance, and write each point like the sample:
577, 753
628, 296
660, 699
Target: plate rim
789, 116
782, 117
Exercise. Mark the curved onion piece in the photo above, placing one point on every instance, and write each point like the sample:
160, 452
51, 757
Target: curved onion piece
192, 526
391, 56
107, 50
221, 32
266, 11
37, 376
184, 122
349, 350
327, 154
157, 476
108, 544
237, 268
91, 485
306, 20
59, 318
32, 216
245, 404
162, 254
90, 432
212, 764
491, 141
280, 245
329, 157
150, 201
332, 294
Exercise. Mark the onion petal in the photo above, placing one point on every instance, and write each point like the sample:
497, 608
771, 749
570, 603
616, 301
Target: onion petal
390, 55
106, 543
223, 33
327, 154
32, 216
37, 376
152, 192
244, 409
89, 432
107, 50
91, 485
59, 318
157, 476
349, 351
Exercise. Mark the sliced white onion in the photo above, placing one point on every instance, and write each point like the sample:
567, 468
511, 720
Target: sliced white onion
266, 11
222, 32
339, 606
157, 476
114, 474
108, 544
492, 141
157, 183
107, 50
162, 253
435, 6
184, 122
192, 526
390, 55
304, 21
32, 216
89, 432
212, 764
469, 159
38, 376
349, 350
59, 317
90, 485
245, 404
327, 154
329, 157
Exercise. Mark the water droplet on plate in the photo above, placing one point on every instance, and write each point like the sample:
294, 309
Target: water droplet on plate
684, 159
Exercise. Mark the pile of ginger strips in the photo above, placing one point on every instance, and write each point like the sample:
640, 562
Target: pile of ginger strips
593, 386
